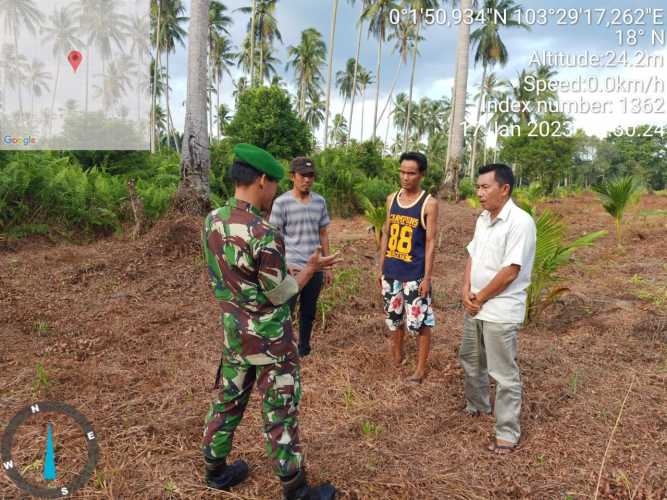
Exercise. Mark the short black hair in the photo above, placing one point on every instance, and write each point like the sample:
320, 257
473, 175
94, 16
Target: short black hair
422, 163
244, 174
503, 174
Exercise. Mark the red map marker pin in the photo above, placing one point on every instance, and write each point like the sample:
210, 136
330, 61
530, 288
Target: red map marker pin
75, 59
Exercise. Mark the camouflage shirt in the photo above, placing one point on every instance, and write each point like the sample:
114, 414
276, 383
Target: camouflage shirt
245, 256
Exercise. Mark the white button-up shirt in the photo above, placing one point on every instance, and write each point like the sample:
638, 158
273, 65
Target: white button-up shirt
510, 239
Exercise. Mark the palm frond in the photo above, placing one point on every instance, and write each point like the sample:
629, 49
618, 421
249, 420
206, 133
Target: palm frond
551, 253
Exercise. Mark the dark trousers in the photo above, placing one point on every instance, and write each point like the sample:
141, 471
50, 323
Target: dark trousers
307, 298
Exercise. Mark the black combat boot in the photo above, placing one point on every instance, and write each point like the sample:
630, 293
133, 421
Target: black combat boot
221, 476
297, 489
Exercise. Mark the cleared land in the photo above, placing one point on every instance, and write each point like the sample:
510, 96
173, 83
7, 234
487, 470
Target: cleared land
127, 333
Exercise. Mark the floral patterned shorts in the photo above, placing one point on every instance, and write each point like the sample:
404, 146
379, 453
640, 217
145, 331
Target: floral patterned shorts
402, 299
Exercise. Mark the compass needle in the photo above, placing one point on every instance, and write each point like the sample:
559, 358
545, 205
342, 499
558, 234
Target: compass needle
49, 457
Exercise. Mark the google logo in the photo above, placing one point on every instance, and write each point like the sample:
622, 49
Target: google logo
26, 141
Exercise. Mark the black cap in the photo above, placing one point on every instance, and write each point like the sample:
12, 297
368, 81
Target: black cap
302, 165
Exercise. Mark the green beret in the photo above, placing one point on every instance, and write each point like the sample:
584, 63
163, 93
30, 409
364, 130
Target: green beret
259, 159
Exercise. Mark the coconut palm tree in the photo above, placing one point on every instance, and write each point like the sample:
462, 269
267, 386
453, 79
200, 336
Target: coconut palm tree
18, 13
365, 78
306, 59
6, 59
455, 151
268, 32
332, 35
493, 93
240, 86
223, 54
404, 34
172, 33
551, 252
491, 50
60, 32
194, 188
519, 93
314, 115
355, 84
223, 118
116, 82
218, 26
15, 68
37, 80
102, 26
262, 33
419, 7
616, 195
377, 15
344, 80
139, 33
400, 110
339, 130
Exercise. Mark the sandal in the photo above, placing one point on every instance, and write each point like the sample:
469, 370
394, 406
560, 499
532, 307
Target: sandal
474, 413
414, 380
502, 449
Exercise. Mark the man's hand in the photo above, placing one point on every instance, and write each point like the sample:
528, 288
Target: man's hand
471, 303
328, 277
318, 263
425, 287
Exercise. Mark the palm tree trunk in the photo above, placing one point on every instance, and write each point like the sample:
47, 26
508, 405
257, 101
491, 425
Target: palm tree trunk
85, 108
377, 88
386, 134
412, 83
209, 80
156, 66
477, 126
330, 70
391, 90
53, 99
194, 188
170, 122
261, 63
302, 97
252, 43
363, 107
495, 150
20, 84
354, 78
217, 108
455, 155
486, 131
451, 125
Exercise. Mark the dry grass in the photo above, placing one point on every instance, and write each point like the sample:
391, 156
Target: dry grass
126, 332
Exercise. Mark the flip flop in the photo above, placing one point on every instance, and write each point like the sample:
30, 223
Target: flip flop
474, 413
414, 380
502, 449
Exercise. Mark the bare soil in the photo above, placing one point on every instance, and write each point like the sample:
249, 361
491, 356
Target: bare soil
127, 332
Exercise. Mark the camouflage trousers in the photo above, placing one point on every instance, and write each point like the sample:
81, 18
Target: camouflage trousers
280, 387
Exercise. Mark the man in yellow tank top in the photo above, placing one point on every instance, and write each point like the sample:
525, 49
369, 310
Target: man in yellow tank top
407, 251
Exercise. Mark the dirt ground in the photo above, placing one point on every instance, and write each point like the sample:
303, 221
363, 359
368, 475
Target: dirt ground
127, 333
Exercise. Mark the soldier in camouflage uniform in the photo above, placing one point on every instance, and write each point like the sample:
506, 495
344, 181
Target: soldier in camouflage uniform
246, 262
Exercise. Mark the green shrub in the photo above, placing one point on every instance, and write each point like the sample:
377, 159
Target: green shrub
466, 189
376, 190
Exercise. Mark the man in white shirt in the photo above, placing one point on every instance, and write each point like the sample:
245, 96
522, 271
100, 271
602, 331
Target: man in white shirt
497, 275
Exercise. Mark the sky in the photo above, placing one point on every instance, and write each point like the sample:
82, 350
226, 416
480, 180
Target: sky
435, 66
